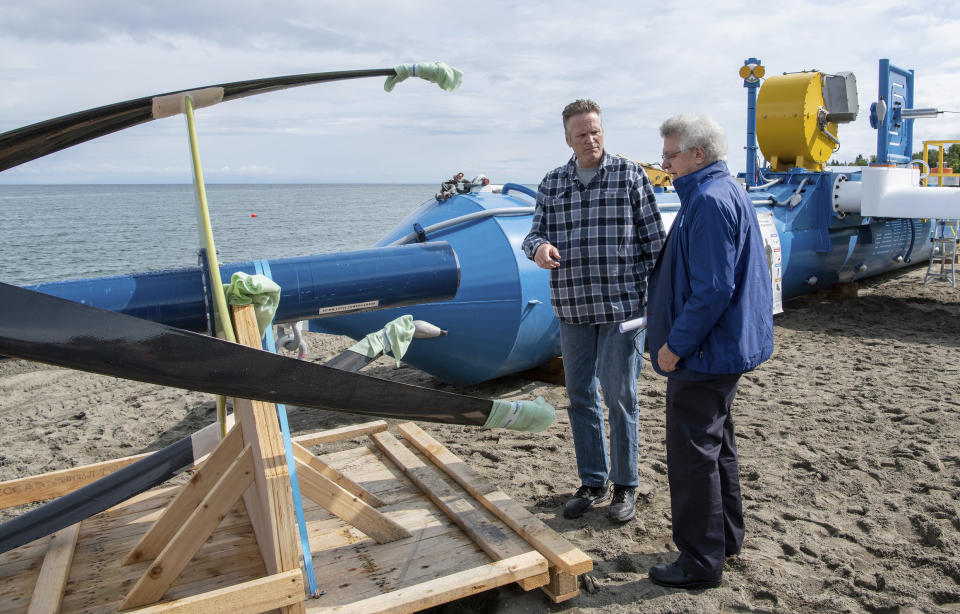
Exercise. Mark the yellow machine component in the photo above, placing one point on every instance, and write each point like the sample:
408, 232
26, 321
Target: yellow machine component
790, 111
658, 177
754, 71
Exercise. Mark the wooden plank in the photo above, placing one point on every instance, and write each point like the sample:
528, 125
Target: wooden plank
490, 536
304, 455
551, 372
443, 590
45, 486
369, 467
562, 586
187, 500
560, 552
48, 591
57, 483
284, 588
178, 552
262, 429
328, 539
364, 569
348, 508
339, 434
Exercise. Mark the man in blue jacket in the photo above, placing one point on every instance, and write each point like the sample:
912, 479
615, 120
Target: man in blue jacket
709, 320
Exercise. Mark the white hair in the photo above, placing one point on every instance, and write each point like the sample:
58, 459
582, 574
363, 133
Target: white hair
697, 130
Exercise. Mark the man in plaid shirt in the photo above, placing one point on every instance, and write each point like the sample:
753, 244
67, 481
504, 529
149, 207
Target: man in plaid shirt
597, 229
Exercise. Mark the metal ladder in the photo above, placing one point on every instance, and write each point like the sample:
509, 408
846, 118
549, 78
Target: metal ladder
943, 258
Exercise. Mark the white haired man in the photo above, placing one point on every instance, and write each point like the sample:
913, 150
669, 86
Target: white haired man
597, 229
709, 320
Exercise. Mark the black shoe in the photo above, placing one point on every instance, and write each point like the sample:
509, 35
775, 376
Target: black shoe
672, 575
585, 498
623, 505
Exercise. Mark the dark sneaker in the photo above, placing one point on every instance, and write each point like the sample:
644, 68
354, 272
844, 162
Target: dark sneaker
672, 575
623, 506
585, 498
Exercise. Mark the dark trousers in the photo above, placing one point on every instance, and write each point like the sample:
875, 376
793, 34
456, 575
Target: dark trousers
703, 473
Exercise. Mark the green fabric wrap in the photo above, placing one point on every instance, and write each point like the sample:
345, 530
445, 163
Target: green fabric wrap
257, 290
530, 416
447, 77
398, 332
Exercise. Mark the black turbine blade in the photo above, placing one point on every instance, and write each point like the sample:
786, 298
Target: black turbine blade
46, 137
48, 329
124, 483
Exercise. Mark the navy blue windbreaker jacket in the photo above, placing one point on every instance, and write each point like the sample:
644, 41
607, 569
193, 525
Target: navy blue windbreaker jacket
710, 294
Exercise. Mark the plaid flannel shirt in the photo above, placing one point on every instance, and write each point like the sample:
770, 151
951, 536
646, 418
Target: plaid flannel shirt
608, 233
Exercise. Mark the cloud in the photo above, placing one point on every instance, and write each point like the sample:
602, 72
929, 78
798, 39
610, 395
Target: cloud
522, 63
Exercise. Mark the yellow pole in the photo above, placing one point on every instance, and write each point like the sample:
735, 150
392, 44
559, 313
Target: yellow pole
940, 166
216, 285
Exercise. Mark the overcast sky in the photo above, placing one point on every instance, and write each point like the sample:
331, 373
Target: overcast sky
522, 62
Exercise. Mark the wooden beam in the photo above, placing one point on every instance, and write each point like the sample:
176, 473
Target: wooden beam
488, 535
348, 508
562, 586
256, 500
551, 372
339, 434
179, 550
560, 552
448, 588
261, 595
306, 456
187, 499
58, 483
262, 429
48, 591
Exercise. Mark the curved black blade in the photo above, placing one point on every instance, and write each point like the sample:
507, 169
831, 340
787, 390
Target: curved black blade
97, 496
348, 360
46, 137
131, 480
56, 331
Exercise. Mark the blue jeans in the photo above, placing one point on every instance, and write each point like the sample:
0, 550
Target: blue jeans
599, 357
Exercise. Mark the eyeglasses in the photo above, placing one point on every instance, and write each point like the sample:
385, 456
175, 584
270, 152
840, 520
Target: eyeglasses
671, 156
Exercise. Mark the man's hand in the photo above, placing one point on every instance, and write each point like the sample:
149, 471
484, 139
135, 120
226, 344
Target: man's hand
667, 359
547, 256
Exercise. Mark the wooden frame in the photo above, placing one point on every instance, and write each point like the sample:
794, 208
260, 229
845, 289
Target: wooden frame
392, 527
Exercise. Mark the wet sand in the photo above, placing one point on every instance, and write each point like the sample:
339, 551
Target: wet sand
849, 443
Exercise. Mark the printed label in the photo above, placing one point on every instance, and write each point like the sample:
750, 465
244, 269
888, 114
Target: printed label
350, 307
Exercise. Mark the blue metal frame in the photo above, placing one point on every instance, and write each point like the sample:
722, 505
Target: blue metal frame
752, 87
894, 133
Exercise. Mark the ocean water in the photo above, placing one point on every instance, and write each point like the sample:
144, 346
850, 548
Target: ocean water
55, 232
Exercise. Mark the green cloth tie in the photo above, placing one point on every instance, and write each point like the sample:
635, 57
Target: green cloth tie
394, 337
530, 416
257, 290
447, 77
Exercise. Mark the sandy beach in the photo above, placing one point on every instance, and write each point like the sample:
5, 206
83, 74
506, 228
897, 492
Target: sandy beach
849, 443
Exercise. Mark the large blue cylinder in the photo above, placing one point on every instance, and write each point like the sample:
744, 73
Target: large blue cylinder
500, 320
347, 281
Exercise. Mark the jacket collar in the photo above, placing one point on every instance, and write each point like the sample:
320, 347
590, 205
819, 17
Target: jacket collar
688, 183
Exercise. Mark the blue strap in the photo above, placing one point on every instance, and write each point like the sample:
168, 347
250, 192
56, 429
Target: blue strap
263, 268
